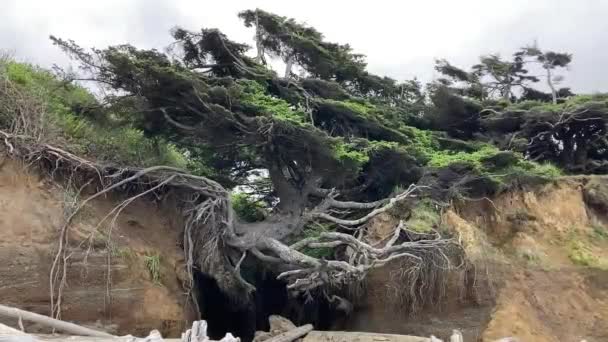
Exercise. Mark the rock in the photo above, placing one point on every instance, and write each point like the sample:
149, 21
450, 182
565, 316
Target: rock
279, 324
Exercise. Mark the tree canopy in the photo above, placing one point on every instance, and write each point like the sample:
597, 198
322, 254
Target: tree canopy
335, 145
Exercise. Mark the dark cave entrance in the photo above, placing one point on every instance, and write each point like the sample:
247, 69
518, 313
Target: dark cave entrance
223, 315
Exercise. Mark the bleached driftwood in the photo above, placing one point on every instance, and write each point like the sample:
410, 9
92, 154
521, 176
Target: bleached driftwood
292, 334
198, 333
64, 326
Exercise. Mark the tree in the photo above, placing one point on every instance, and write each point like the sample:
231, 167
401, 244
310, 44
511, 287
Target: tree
492, 76
300, 45
505, 76
330, 158
464, 83
549, 60
573, 135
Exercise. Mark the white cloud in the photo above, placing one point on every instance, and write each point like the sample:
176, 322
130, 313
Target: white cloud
400, 38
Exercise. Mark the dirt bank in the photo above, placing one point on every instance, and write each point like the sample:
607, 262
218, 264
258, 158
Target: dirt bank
143, 290
542, 258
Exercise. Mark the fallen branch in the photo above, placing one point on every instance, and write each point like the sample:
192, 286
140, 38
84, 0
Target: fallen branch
291, 335
50, 322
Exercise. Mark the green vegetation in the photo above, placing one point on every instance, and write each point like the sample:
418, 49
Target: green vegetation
424, 217
65, 107
567, 105
313, 231
126, 253
580, 254
152, 263
581, 248
255, 95
247, 208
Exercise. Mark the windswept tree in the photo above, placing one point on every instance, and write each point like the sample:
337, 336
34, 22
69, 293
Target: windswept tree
572, 135
504, 76
461, 82
492, 77
330, 159
549, 60
298, 44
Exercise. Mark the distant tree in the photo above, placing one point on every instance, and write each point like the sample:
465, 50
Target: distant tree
505, 76
549, 60
571, 135
492, 76
465, 83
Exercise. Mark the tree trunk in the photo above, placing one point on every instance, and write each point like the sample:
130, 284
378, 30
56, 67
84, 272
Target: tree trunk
566, 157
580, 155
258, 41
288, 66
550, 83
507, 93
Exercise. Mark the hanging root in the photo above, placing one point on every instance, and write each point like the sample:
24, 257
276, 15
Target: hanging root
210, 237
204, 201
422, 255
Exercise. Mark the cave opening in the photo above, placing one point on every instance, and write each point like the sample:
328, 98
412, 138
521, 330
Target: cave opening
271, 297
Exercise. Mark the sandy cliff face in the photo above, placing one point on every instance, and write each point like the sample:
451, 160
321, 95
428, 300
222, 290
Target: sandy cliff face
544, 268
542, 259
141, 291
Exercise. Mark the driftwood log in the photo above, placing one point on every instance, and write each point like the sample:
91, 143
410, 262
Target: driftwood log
64, 326
198, 332
291, 335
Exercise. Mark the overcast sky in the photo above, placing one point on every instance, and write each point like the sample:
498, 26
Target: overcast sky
401, 38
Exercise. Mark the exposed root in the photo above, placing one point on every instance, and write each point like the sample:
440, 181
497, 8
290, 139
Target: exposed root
210, 237
152, 180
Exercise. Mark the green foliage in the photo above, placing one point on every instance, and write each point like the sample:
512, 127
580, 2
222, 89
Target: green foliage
314, 230
423, 143
219, 112
349, 155
485, 160
580, 254
360, 107
121, 145
247, 208
444, 158
152, 263
254, 94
